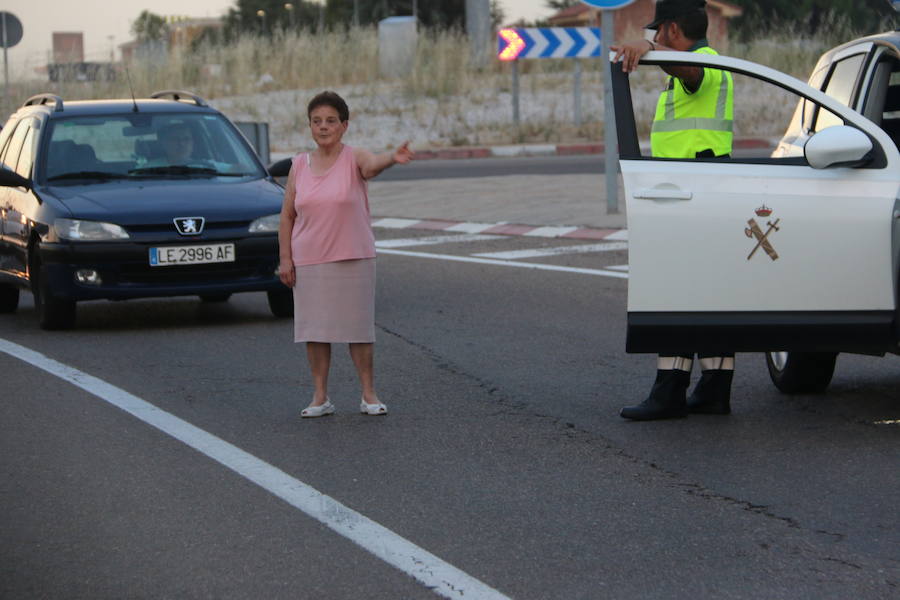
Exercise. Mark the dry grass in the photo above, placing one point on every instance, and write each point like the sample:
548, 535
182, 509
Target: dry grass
444, 100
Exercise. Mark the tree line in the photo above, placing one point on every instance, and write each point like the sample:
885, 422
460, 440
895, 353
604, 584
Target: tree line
265, 17
803, 16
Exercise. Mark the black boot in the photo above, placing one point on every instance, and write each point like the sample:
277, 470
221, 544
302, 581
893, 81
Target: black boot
712, 394
666, 399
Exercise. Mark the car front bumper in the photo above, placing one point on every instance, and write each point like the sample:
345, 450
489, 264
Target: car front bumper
124, 270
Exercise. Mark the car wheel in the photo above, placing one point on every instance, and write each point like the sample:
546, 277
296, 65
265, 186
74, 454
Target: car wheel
800, 372
9, 298
53, 312
215, 297
281, 303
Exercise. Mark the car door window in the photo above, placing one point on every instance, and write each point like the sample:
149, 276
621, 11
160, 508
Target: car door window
14, 148
764, 113
841, 86
26, 155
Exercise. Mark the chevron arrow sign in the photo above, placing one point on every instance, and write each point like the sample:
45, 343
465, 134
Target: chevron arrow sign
548, 42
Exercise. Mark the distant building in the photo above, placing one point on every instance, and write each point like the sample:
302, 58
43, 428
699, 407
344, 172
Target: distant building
68, 60
630, 20
68, 47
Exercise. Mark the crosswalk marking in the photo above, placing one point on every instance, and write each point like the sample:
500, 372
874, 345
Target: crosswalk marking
535, 252
550, 231
391, 223
435, 239
471, 227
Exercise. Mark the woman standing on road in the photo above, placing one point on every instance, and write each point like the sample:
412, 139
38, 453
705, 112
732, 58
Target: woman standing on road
327, 250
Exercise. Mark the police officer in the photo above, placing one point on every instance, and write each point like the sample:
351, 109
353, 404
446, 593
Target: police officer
693, 120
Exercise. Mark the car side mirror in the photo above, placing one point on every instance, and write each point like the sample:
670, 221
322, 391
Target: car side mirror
838, 146
12, 179
281, 168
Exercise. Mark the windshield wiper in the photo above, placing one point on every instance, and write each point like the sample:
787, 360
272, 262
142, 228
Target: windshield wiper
104, 175
174, 170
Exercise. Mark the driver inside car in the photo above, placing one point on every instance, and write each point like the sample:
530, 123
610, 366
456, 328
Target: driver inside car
177, 141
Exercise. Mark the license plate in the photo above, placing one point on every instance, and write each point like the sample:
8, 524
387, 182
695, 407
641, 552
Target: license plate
165, 256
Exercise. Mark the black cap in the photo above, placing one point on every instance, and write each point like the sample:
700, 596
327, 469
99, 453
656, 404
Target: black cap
669, 10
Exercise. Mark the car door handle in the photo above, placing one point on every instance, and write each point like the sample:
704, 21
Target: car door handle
663, 194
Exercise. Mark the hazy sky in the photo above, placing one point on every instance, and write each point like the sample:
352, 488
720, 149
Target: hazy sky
106, 24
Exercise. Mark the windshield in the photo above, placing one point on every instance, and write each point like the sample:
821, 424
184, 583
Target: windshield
141, 145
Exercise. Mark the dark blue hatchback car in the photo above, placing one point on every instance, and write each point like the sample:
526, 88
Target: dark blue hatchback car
119, 199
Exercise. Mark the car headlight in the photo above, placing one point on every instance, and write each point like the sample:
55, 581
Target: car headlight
267, 224
77, 230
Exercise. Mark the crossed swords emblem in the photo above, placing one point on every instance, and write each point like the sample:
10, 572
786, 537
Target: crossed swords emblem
762, 239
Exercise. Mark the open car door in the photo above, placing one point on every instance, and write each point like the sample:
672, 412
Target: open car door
755, 253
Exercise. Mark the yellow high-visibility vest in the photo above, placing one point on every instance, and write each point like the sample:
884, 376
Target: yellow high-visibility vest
688, 123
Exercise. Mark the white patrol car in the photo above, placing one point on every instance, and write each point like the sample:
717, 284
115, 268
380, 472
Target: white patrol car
796, 254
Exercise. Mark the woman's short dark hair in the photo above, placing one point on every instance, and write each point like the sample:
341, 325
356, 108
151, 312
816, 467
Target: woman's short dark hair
694, 24
329, 99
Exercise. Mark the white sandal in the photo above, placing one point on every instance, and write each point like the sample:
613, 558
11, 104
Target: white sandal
372, 409
318, 411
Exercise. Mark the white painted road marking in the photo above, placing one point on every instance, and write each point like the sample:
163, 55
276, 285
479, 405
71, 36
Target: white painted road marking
470, 227
436, 239
390, 223
506, 263
550, 231
435, 574
574, 249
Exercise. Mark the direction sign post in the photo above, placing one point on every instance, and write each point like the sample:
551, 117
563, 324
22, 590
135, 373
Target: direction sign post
572, 42
10, 35
547, 42
610, 142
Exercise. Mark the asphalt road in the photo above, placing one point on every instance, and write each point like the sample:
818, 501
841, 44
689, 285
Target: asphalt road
502, 455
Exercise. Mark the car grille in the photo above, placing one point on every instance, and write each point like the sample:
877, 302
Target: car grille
168, 229
178, 274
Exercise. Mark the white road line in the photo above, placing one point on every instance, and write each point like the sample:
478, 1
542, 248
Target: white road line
470, 227
436, 239
390, 223
435, 574
550, 231
506, 263
618, 267
618, 236
556, 251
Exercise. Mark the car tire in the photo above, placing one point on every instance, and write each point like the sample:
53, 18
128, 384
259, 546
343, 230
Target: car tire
223, 297
801, 372
53, 312
281, 303
9, 298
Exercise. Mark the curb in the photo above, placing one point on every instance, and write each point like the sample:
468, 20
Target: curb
574, 232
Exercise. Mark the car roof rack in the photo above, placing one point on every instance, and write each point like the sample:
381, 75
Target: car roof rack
44, 99
177, 95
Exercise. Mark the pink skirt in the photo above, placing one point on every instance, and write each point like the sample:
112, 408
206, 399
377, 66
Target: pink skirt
335, 302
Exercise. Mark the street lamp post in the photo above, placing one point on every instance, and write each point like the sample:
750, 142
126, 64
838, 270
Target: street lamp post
262, 21
321, 4
290, 10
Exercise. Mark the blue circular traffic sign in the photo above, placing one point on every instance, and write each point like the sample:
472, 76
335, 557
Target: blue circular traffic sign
607, 4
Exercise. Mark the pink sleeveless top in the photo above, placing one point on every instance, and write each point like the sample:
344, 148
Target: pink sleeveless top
333, 221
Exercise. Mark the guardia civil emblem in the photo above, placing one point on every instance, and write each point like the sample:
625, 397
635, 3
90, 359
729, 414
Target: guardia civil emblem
762, 239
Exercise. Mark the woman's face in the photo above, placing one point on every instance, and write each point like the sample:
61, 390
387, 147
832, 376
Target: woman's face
326, 126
